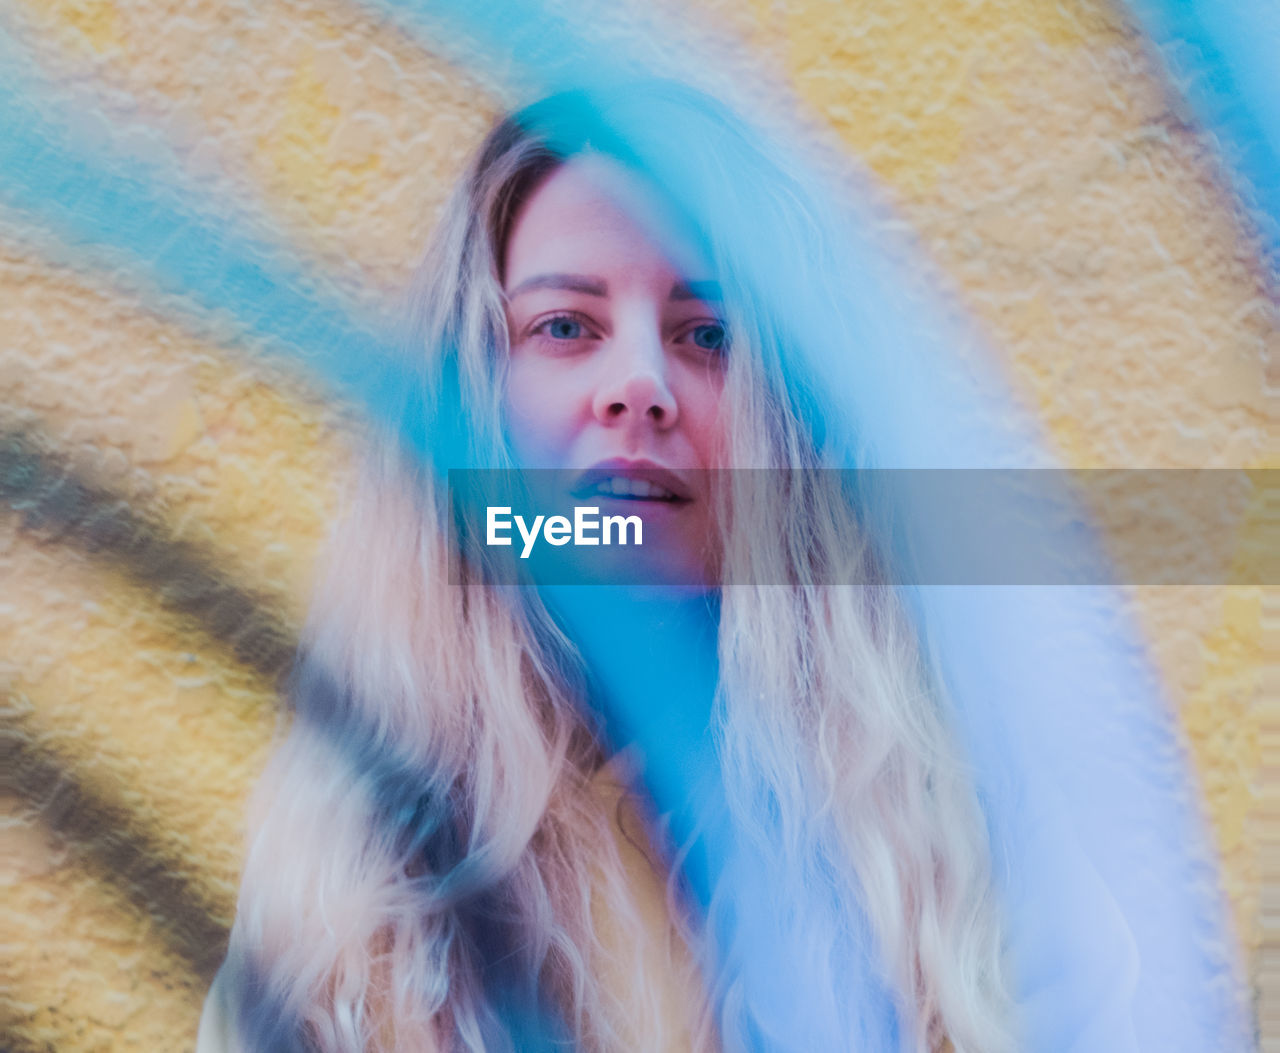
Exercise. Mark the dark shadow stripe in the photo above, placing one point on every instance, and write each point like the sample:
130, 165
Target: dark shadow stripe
14, 1037
58, 506
428, 819
115, 847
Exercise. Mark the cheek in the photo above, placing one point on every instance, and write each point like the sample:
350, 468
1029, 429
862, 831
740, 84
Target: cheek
536, 414
704, 422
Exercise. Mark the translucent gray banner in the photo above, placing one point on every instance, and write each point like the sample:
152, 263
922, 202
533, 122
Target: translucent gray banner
641, 524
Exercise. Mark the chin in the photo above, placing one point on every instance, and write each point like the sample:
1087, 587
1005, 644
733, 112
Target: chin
657, 566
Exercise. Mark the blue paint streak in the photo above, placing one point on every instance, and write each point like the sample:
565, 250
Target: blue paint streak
1117, 921
1225, 57
117, 213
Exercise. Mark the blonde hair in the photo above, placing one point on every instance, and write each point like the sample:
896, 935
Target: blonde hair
428, 813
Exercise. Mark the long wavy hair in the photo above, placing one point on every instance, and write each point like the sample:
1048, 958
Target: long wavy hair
426, 842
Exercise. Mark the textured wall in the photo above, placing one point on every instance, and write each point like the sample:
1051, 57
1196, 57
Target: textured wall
1032, 144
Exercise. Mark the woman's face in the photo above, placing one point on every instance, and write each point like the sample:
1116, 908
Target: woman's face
617, 363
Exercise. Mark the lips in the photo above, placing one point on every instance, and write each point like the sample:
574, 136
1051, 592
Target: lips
632, 481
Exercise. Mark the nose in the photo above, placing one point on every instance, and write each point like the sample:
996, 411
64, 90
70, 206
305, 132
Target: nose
634, 384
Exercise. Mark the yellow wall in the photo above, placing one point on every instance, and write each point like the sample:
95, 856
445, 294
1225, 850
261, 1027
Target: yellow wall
1031, 143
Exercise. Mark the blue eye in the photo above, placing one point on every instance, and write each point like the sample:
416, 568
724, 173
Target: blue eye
562, 328
710, 337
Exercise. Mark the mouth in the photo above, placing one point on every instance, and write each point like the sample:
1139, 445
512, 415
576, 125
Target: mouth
632, 481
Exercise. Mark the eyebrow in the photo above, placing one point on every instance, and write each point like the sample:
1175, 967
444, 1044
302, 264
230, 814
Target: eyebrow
708, 291
567, 282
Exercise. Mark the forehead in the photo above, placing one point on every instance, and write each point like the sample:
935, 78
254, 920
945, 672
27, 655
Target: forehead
591, 215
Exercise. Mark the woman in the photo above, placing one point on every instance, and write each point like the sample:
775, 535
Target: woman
445, 855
